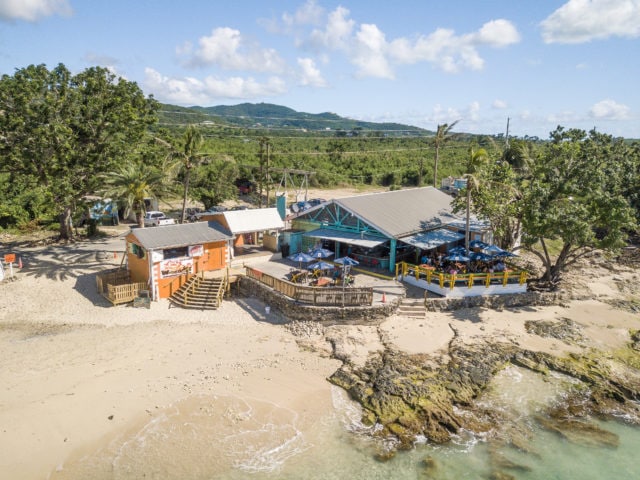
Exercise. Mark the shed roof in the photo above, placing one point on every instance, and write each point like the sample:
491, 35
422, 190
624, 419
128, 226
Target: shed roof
170, 236
401, 212
253, 220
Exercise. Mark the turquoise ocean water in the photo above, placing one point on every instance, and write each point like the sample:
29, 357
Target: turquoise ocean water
231, 438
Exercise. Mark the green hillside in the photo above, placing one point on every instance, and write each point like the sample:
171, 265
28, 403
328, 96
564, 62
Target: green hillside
270, 116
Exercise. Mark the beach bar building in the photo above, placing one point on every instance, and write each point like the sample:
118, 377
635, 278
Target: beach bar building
381, 229
166, 257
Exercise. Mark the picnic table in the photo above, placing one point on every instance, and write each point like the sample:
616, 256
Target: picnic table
298, 276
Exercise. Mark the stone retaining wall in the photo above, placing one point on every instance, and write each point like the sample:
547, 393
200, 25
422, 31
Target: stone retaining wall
498, 302
293, 310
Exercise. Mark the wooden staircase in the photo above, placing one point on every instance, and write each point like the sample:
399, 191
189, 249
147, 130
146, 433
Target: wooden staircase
412, 308
200, 293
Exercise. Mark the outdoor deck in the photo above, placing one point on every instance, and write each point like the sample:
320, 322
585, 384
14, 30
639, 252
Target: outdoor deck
314, 295
462, 285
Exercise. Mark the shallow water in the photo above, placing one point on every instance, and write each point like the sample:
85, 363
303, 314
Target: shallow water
230, 438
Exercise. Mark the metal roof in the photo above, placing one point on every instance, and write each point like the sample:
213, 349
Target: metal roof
432, 239
170, 236
353, 238
253, 220
401, 212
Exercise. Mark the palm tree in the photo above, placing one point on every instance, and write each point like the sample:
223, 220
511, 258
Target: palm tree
133, 182
443, 134
186, 158
475, 161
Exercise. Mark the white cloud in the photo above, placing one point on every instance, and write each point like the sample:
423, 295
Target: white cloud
369, 53
33, 10
308, 14
366, 47
499, 104
310, 75
473, 111
337, 32
609, 110
453, 53
228, 49
579, 21
192, 91
497, 33
565, 116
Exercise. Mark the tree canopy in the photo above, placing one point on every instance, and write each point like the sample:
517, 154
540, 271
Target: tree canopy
62, 131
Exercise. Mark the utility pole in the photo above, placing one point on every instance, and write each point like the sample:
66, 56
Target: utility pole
264, 172
507, 142
268, 177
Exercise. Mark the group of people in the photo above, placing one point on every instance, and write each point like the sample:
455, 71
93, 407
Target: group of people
454, 268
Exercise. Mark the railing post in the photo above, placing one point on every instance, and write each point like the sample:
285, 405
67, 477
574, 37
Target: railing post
488, 280
505, 278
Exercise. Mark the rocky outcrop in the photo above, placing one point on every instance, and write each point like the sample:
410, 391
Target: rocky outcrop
411, 395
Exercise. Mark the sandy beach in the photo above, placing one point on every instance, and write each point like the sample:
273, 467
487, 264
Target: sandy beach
77, 373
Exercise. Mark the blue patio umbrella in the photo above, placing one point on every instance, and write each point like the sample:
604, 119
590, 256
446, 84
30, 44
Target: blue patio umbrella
346, 261
480, 257
301, 257
320, 266
320, 253
493, 250
458, 251
504, 253
478, 244
457, 258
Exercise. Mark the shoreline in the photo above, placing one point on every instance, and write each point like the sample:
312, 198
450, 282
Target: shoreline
78, 372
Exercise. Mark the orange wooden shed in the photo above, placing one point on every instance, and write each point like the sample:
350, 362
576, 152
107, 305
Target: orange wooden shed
165, 257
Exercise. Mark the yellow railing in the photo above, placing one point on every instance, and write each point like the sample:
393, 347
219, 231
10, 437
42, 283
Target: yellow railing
460, 279
330, 296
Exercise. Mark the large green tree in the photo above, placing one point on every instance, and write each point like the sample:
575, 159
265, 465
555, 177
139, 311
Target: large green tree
64, 131
214, 181
574, 196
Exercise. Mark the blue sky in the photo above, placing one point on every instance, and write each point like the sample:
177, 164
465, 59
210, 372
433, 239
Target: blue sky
574, 63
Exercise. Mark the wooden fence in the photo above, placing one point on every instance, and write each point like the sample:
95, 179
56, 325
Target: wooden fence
324, 296
116, 286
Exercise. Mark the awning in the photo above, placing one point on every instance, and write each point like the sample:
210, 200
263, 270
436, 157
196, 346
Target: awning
432, 239
352, 238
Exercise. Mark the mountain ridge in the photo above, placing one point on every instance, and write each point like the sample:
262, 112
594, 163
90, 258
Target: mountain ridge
269, 115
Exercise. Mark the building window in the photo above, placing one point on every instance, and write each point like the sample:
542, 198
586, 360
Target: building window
137, 250
175, 252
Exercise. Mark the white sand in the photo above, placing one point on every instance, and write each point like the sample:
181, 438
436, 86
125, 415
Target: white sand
75, 371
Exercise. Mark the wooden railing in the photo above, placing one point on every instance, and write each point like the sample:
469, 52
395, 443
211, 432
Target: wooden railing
126, 293
452, 280
117, 287
329, 296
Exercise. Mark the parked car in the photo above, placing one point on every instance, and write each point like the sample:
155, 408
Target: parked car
156, 219
216, 209
300, 207
245, 186
193, 213
314, 202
